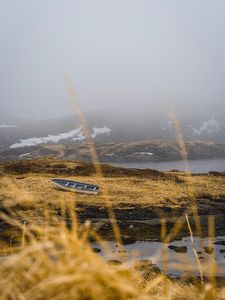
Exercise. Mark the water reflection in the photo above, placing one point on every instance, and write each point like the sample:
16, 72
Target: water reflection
177, 263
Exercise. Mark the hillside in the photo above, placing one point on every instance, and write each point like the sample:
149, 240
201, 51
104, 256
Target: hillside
139, 151
112, 126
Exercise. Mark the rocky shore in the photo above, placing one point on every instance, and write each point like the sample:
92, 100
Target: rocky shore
139, 223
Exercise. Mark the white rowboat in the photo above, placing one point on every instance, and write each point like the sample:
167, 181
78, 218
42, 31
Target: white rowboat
75, 186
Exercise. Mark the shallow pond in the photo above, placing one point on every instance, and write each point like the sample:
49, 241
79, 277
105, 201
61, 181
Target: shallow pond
172, 262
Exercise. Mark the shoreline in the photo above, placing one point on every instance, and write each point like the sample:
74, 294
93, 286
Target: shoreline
140, 198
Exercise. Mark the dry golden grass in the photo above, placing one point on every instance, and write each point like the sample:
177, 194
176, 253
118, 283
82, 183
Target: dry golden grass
32, 190
60, 264
54, 262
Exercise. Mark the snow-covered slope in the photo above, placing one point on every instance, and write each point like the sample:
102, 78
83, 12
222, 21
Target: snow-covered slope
70, 136
111, 127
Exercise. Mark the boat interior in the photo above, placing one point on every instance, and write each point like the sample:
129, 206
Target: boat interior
77, 185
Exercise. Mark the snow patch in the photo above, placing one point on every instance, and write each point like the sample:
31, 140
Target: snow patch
209, 127
74, 135
25, 154
103, 130
144, 153
109, 154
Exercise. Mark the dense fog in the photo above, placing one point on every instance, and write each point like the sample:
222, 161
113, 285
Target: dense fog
133, 57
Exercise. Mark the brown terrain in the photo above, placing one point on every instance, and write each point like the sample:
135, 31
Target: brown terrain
140, 198
138, 151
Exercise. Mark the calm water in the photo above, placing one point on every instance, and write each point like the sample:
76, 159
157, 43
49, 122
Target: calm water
177, 263
196, 166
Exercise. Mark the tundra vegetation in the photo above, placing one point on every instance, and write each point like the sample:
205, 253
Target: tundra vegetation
43, 256
46, 234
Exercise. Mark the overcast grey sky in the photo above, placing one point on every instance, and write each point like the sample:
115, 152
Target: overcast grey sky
117, 52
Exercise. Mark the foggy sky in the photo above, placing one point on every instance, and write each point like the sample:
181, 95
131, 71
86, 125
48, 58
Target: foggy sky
118, 53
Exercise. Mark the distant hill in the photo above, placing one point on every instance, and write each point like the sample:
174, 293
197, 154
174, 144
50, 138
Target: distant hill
139, 151
111, 126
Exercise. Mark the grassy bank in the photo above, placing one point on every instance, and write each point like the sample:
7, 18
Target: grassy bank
143, 187
53, 261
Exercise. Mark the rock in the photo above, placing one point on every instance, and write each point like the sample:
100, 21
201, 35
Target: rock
178, 249
114, 262
122, 251
172, 247
208, 250
127, 240
96, 250
221, 242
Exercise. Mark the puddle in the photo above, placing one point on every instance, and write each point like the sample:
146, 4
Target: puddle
167, 259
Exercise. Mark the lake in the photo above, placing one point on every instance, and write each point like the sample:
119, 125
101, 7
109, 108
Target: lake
196, 166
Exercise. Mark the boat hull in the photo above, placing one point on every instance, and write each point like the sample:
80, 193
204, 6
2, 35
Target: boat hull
59, 186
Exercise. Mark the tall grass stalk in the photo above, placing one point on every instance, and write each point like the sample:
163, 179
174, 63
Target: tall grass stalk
76, 108
195, 251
